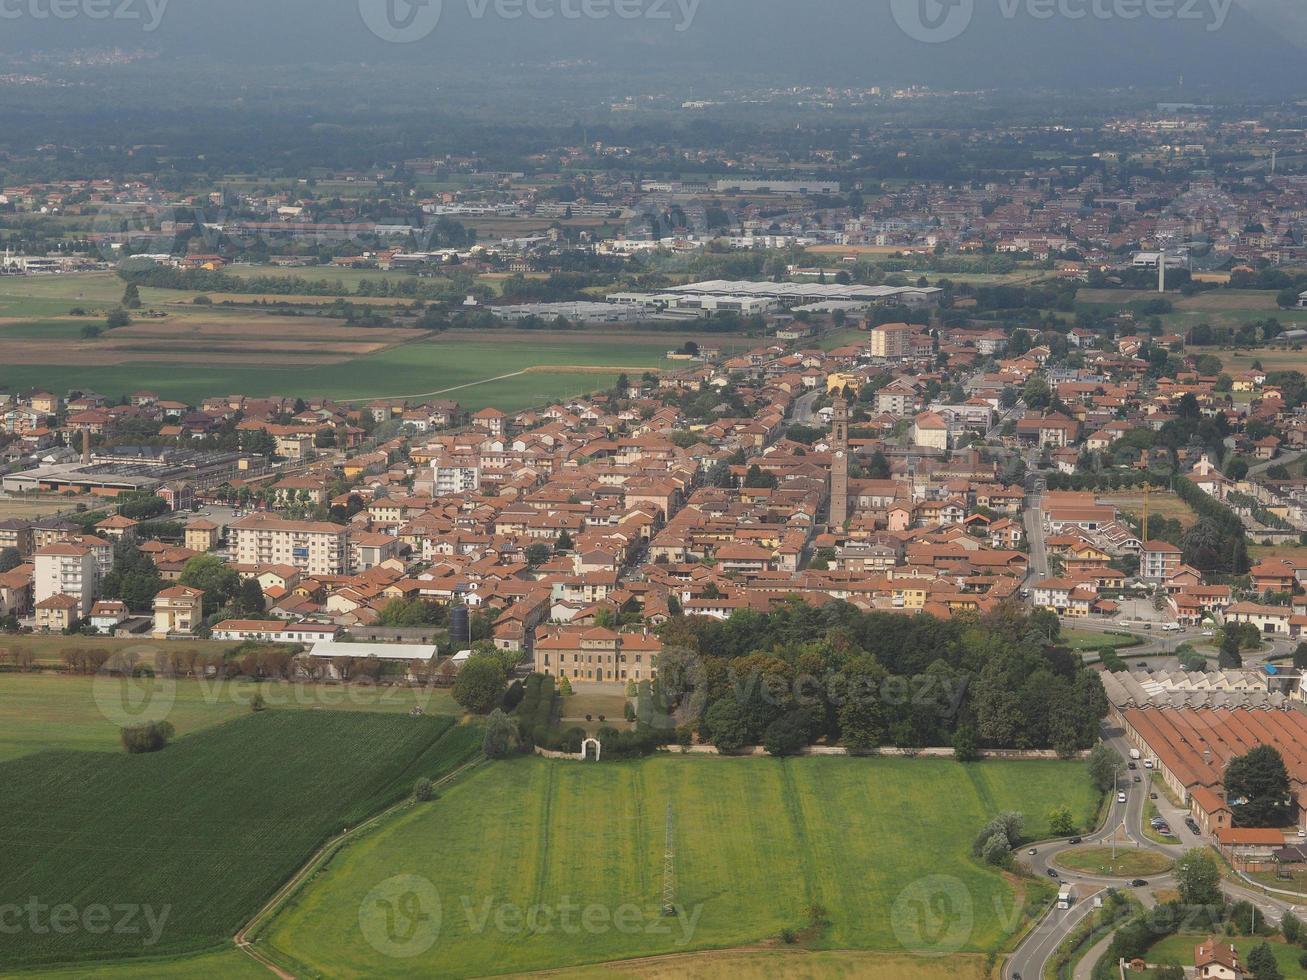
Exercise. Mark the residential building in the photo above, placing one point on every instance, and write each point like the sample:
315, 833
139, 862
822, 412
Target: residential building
316, 547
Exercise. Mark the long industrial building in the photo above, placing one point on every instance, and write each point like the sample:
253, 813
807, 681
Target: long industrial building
1191, 748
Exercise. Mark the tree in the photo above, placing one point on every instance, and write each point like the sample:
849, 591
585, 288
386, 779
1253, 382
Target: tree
116, 319
1261, 780
785, 736
564, 542
132, 296
250, 601
148, 737
755, 478
725, 725
1060, 821
1291, 928
965, 748
501, 736
479, 685
537, 555
1198, 878
1299, 653
1261, 960
208, 573
422, 789
1230, 658
135, 579
1104, 763
10, 559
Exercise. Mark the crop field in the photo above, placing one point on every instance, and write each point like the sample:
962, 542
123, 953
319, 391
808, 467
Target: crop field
881, 845
39, 712
765, 964
202, 832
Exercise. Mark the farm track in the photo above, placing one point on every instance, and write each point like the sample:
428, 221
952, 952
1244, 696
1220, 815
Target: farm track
319, 860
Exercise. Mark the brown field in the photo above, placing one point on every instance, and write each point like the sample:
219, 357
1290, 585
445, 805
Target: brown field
1293, 552
262, 340
1271, 360
1159, 505
28, 508
761, 962
852, 249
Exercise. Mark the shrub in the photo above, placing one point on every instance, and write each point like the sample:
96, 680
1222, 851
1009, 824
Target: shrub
148, 737
422, 791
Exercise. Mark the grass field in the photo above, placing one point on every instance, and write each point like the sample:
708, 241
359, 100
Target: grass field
1180, 949
460, 367
878, 844
1160, 504
201, 833
39, 712
229, 964
1129, 863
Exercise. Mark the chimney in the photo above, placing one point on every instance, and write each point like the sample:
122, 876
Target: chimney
86, 447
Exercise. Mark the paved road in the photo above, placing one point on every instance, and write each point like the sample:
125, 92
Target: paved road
803, 413
1124, 823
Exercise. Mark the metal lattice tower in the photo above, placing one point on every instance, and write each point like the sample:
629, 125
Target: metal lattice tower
669, 868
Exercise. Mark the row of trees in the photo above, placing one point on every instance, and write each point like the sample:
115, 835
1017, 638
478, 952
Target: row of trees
1216, 544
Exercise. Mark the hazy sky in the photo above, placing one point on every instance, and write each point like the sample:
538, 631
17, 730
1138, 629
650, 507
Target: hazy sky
1219, 44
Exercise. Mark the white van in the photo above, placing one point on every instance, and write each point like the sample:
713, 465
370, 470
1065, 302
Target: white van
1171, 628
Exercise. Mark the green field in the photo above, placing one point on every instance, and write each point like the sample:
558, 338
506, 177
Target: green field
421, 369
876, 843
202, 832
229, 964
39, 712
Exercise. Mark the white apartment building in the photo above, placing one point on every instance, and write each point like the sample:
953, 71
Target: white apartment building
315, 547
451, 476
64, 568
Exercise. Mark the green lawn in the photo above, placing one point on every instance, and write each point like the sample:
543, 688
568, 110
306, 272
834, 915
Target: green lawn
1130, 862
877, 843
1180, 949
197, 836
39, 712
1094, 640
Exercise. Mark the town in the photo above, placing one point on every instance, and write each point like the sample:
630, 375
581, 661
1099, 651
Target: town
604, 514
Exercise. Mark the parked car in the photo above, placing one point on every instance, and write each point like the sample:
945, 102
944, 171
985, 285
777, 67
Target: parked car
1131, 765
1152, 796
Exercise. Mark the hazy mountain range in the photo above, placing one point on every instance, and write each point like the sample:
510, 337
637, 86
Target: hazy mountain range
1240, 46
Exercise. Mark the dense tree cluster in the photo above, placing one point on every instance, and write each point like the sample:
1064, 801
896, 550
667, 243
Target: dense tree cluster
799, 675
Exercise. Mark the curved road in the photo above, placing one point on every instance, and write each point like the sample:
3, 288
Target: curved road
1124, 822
